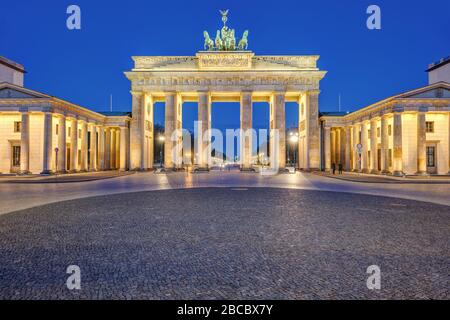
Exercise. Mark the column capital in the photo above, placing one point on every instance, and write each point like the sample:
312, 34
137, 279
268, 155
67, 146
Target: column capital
398, 109
311, 92
422, 109
136, 93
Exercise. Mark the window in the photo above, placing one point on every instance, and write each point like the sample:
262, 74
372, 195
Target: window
359, 137
68, 132
429, 126
390, 130
378, 132
368, 133
390, 157
431, 156
16, 156
57, 129
17, 126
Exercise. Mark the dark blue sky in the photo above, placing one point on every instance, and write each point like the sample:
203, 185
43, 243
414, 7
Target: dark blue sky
86, 66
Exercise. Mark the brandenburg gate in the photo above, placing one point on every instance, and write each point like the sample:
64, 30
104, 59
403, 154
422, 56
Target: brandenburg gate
225, 72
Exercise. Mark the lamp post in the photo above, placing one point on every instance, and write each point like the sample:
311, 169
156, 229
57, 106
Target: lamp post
161, 140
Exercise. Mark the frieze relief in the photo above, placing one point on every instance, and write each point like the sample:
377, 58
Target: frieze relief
227, 81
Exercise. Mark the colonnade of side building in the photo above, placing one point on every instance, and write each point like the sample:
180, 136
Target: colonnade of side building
398, 142
43, 134
81, 145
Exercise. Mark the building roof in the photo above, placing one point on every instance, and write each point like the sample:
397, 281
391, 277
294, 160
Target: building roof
11, 64
36, 96
333, 114
404, 95
438, 64
115, 113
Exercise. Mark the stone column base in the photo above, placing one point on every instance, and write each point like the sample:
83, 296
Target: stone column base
374, 171
385, 172
364, 171
24, 173
47, 172
62, 171
422, 173
398, 174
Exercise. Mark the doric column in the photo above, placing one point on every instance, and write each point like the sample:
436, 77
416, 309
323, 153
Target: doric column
203, 142
101, 148
172, 144
278, 129
355, 149
113, 149
246, 132
137, 131
25, 143
448, 151
84, 146
398, 154
348, 148
312, 129
108, 149
373, 146
62, 145
421, 143
74, 146
151, 133
364, 142
337, 146
93, 149
117, 149
327, 147
123, 148
384, 145
333, 146
47, 147
342, 144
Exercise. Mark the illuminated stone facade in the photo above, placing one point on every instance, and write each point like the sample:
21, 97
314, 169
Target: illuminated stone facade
214, 76
406, 134
44, 134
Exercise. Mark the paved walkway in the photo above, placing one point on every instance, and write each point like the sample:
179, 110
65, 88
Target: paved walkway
227, 243
21, 196
372, 178
64, 178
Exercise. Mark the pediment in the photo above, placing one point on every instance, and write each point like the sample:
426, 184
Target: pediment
13, 92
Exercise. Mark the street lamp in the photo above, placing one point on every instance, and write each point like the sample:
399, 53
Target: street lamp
161, 139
